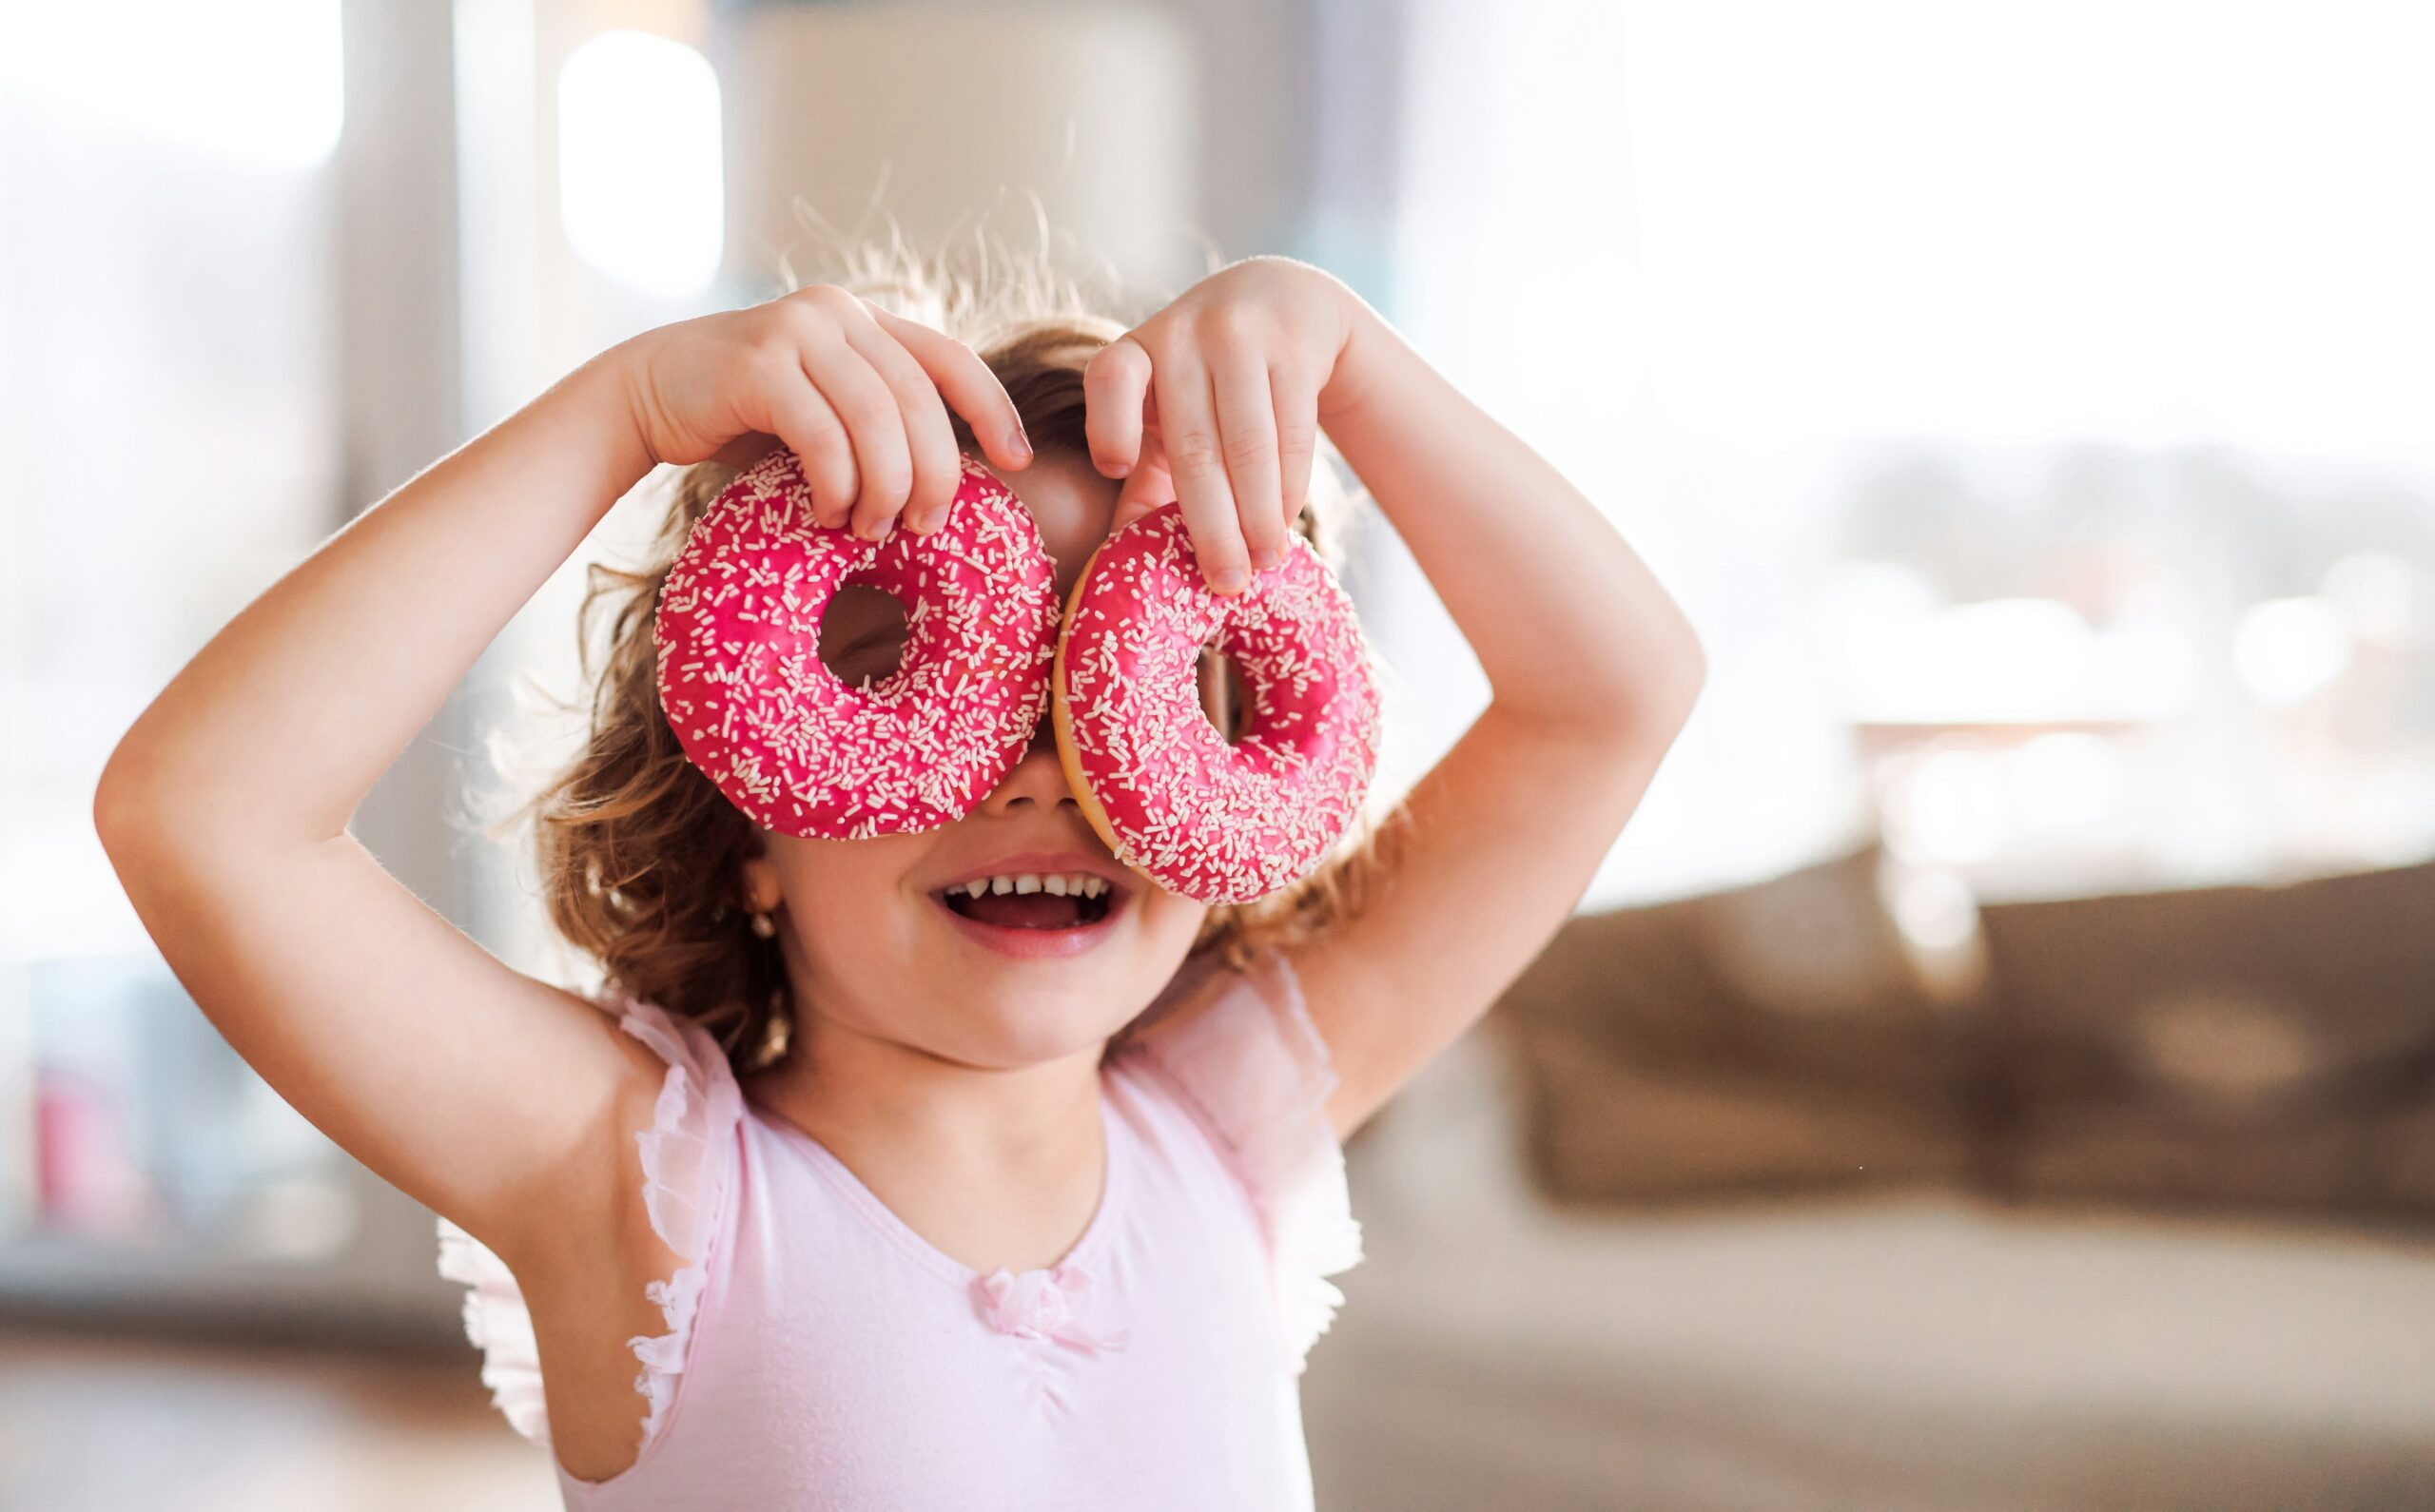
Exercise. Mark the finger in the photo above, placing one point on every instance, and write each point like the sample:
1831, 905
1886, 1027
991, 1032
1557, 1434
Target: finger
1296, 396
938, 467
883, 458
1247, 435
1116, 387
794, 411
968, 385
1146, 488
1195, 459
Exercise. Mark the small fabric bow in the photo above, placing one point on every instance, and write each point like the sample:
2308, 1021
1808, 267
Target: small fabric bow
1042, 1305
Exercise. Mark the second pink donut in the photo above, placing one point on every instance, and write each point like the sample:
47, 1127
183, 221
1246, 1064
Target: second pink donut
1219, 822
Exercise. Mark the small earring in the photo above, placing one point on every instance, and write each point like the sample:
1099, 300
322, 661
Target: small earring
764, 925
776, 1033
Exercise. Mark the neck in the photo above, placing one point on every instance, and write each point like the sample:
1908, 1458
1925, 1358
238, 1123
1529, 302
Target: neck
856, 1092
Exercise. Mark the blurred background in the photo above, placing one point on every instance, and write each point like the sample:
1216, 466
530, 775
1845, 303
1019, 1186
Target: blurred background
1995, 1069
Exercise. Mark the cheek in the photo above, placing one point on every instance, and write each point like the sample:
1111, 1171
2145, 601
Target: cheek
844, 916
1167, 918
841, 891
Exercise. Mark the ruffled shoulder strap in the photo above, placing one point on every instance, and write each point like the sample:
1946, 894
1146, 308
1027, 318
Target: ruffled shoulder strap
1247, 1063
688, 1171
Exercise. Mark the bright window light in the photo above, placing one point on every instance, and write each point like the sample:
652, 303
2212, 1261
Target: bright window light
2170, 221
2288, 647
256, 80
639, 189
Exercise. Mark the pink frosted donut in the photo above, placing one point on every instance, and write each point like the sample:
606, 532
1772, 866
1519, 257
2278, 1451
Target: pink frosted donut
754, 708
1217, 823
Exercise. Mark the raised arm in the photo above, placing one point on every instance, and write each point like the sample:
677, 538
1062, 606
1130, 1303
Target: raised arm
1592, 671
1592, 666
500, 1101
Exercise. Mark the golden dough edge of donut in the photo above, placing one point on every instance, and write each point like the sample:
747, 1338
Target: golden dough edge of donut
1068, 755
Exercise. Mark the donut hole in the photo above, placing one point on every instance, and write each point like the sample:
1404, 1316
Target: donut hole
861, 634
1223, 697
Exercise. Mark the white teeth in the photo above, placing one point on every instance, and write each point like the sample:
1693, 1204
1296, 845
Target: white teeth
1062, 884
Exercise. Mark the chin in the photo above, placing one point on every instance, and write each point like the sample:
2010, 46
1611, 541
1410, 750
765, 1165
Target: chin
1008, 1046
1014, 1026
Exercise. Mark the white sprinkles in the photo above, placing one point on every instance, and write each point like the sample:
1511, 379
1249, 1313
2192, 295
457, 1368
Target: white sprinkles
1217, 823
738, 632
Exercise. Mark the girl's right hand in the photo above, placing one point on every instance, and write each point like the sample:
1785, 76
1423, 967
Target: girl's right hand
859, 393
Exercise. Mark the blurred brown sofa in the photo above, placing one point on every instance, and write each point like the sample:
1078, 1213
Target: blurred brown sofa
2258, 1047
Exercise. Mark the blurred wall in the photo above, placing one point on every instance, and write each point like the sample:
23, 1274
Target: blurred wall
941, 113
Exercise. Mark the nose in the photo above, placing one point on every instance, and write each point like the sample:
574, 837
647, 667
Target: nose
1038, 780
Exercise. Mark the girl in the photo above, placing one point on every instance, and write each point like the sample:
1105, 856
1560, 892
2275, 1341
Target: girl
891, 1215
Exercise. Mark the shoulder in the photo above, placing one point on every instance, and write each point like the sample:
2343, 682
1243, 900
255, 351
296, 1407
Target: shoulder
623, 1285
1236, 1041
1236, 1049
683, 1136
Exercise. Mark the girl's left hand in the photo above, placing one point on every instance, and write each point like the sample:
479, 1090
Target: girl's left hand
1215, 402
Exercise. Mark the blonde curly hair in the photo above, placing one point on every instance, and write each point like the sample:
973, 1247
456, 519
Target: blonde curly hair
639, 855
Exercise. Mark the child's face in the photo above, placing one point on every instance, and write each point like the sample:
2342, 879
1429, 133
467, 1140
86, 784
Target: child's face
870, 945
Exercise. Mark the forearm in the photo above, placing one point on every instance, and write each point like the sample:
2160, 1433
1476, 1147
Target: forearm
1567, 620
283, 722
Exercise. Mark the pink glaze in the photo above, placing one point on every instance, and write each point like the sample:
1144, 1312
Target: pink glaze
1217, 823
754, 708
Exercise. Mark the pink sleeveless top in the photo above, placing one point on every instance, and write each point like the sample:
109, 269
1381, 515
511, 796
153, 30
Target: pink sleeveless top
821, 1354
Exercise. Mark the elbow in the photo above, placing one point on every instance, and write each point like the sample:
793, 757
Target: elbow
1677, 667
1653, 695
121, 800
1689, 675
129, 807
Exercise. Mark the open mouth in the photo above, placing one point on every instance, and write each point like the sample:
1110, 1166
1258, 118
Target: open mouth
1041, 909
